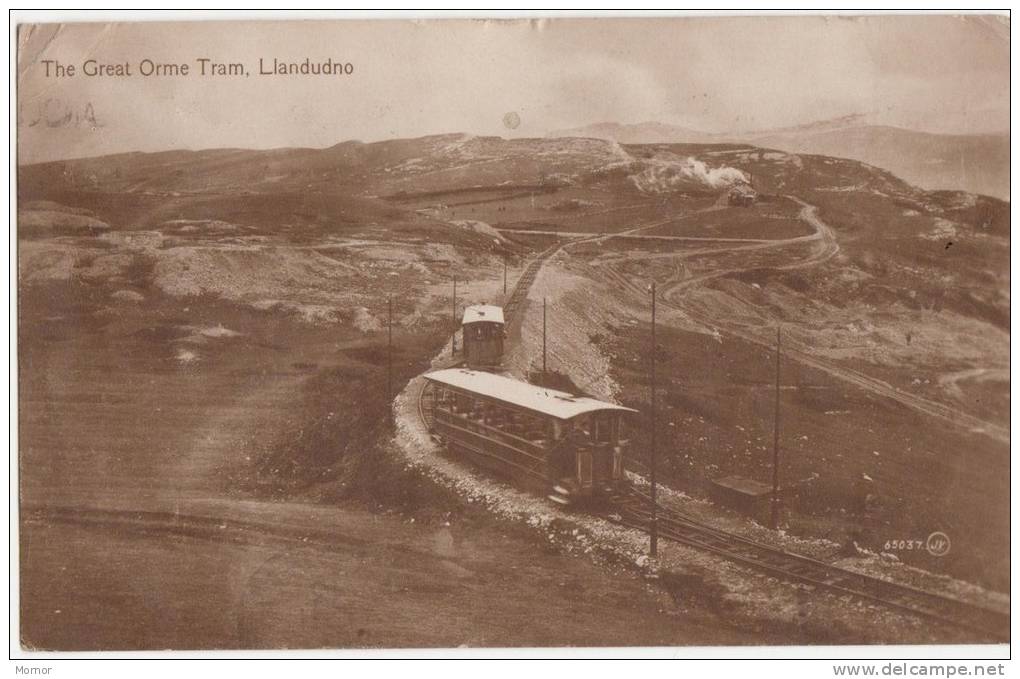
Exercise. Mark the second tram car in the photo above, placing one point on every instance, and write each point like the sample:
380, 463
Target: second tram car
571, 448
483, 330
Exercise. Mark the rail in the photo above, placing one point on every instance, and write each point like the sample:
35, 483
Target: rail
510, 307
633, 509
523, 285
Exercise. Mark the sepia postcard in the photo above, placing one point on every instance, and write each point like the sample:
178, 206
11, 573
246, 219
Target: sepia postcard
489, 333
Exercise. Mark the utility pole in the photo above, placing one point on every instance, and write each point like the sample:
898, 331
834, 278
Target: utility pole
504, 274
654, 528
453, 338
775, 442
544, 381
389, 357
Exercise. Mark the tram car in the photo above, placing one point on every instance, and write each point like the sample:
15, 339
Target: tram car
483, 333
570, 448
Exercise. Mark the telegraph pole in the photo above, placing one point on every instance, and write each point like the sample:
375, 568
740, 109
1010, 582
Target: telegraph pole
654, 528
389, 358
775, 441
504, 274
453, 339
544, 381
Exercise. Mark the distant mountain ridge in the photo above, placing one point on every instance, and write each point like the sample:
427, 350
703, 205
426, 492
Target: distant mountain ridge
640, 133
977, 163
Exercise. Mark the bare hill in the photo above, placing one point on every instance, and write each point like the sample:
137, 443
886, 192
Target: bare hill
978, 163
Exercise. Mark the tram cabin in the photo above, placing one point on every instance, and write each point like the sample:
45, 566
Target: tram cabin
483, 328
571, 448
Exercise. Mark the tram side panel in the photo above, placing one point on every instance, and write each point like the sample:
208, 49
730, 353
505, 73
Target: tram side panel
581, 457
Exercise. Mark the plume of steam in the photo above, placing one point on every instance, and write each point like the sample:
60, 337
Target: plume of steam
662, 175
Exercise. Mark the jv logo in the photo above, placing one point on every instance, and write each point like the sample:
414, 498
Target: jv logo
938, 544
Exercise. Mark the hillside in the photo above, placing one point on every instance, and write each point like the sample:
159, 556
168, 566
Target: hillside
974, 163
977, 163
451, 188
244, 295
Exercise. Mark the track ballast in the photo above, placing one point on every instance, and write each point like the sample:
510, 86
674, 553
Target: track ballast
634, 509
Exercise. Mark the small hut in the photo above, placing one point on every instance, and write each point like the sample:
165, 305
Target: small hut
742, 195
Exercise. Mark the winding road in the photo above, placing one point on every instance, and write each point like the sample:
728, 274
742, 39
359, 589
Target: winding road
825, 247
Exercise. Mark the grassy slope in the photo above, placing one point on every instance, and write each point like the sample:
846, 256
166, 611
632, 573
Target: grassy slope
356, 189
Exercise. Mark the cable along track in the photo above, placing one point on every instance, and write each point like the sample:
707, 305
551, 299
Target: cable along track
523, 285
513, 303
634, 509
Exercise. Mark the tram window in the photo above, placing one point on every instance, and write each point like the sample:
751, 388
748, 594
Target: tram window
534, 427
585, 425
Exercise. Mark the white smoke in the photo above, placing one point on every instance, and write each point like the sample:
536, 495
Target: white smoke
662, 175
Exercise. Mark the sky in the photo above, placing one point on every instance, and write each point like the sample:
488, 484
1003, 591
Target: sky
412, 78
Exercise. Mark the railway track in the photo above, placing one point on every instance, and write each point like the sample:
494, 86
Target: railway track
634, 509
823, 233
184, 524
520, 291
510, 307
245, 531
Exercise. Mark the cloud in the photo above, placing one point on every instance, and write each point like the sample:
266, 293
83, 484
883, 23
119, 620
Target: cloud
411, 79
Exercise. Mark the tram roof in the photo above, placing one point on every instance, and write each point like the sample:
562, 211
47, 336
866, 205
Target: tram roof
558, 404
483, 312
